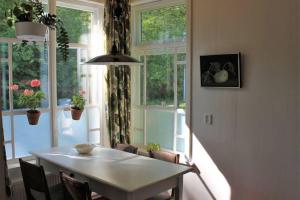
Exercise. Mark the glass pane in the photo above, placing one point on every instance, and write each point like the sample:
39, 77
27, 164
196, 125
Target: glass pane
3, 50
181, 86
164, 24
8, 149
77, 24
181, 57
71, 132
160, 128
94, 117
142, 84
180, 145
160, 89
6, 128
95, 137
137, 81
181, 125
137, 118
4, 75
30, 61
30, 138
137, 137
5, 30
67, 77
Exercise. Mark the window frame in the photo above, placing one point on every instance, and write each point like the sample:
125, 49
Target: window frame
136, 18
96, 9
156, 48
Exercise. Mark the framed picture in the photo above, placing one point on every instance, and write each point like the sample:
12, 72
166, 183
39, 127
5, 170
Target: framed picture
221, 70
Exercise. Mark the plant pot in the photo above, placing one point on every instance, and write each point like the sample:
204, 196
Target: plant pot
76, 114
30, 31
33, 116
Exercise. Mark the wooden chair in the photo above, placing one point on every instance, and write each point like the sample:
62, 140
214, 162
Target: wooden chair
78, 190
168, 157
35, 183
127, 148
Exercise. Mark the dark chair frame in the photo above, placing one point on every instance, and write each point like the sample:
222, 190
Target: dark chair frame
34, 178
127, 148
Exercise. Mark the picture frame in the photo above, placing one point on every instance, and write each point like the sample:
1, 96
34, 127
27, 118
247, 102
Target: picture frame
222, 71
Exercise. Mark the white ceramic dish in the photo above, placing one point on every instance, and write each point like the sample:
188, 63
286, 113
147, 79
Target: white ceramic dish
84, 148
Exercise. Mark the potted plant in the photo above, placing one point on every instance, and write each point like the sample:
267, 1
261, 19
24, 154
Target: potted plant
152, 147
30, 97
77, 107
31, 22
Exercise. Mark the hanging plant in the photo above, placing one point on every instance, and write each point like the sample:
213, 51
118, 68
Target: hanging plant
30, 17
78, 103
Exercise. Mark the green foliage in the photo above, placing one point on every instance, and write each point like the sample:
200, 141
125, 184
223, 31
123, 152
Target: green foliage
32, 101
164, 24
76, 22
78, 101
153, 147
28, 63
33, 11
160, 76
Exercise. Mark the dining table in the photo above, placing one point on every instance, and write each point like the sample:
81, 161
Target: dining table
115, 174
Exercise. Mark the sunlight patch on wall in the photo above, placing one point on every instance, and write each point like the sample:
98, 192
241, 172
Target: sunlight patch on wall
212, 176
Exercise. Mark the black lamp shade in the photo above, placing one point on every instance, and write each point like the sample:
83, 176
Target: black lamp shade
113, 59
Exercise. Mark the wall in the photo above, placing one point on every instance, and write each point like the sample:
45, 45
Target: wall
254, 139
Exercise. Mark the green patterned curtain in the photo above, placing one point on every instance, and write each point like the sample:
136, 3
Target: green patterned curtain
118, 77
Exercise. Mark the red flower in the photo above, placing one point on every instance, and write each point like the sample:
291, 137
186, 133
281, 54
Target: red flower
35, 83
28, 92
14, 87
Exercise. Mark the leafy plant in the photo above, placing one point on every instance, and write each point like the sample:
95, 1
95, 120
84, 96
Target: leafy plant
78, 101
30, 98
33, 11
153, 147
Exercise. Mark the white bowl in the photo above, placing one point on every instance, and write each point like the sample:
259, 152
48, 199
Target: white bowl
84, 148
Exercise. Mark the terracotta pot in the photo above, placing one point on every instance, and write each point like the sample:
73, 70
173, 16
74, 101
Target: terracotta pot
76, 114
33, 116
30, 31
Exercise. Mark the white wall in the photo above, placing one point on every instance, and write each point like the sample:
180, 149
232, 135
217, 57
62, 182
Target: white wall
254, 139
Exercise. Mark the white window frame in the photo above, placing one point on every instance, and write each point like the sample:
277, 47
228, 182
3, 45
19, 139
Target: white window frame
156, 48
96, 9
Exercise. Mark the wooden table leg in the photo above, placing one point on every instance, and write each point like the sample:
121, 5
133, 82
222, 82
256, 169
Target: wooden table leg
179, 188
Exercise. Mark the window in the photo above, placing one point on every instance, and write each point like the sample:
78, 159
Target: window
20, 63
74, 76
163, 24
159, 89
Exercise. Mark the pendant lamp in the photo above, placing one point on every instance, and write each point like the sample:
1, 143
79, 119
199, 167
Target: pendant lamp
115, 57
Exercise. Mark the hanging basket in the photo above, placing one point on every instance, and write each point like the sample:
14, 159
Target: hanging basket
76, 114
33, 116
30, 31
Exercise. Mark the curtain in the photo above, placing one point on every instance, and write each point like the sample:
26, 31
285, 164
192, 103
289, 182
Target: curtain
118, 77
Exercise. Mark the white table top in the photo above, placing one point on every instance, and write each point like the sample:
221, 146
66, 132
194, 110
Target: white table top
128, 172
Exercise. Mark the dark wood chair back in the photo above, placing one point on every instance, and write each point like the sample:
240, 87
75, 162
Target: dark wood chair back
76, 189
34, 179
127, 148
165, 156
168, 157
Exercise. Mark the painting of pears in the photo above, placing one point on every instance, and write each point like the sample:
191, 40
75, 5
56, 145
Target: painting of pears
220, 70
